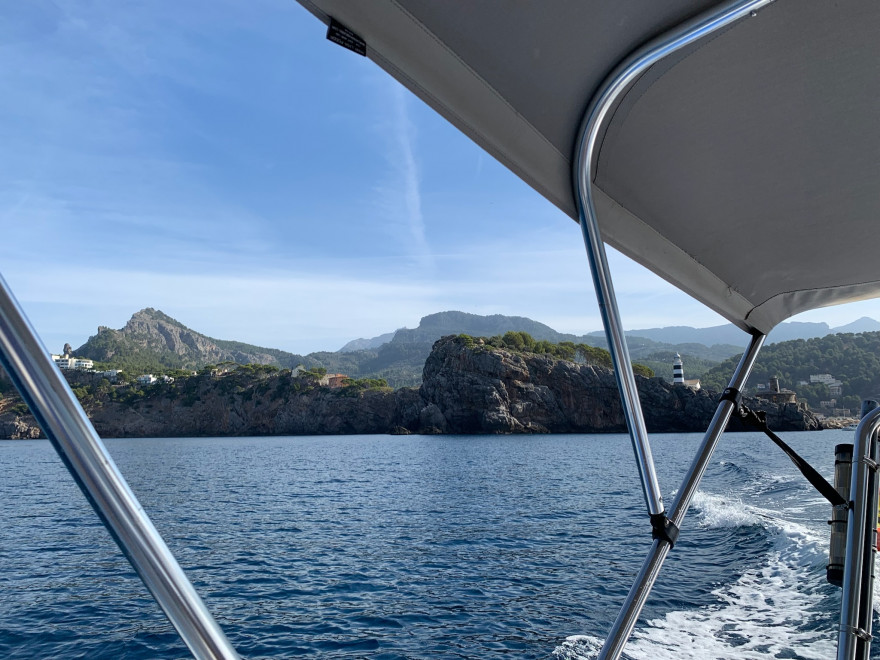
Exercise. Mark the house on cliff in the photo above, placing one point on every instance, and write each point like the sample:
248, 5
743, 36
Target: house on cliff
334, 380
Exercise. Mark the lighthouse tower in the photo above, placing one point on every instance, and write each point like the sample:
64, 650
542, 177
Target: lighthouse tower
677, 371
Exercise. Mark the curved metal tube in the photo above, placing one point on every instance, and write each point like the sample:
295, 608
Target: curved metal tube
641, 589
853, 639
594, 118
597, 112
59, 414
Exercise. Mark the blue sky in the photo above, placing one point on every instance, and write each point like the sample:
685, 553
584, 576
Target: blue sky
226, 164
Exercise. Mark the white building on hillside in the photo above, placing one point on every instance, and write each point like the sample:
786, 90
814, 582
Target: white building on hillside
67, 362
835, 387
111, 374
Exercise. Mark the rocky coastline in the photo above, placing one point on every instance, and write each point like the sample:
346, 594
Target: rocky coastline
467, 388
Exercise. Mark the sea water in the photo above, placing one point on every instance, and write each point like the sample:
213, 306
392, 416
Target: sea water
424, 547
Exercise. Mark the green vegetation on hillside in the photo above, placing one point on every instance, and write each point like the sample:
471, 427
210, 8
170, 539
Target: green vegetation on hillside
640, 348
282, 358
119, 352
245, 381
661, 363
153, 342
523, 342
853, 359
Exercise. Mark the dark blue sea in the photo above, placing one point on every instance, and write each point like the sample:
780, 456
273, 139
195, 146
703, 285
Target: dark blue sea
424, 547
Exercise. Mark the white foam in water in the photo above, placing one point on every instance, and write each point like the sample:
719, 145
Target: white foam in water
759, 616
578, 647
723, 512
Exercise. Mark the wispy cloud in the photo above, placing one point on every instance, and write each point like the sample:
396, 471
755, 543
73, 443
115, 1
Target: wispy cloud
321, 304
209, 159
399, 195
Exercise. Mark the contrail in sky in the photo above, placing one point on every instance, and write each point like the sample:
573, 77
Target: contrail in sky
404, 159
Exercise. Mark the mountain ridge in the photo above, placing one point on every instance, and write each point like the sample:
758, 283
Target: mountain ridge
724, 335
730, 334
153, 341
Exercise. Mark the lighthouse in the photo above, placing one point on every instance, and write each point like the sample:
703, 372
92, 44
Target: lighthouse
677, 371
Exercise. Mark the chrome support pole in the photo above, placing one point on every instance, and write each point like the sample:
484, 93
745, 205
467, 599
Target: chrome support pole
854, 640
591, 128
638, 594
61, 417
597, 112
716, 427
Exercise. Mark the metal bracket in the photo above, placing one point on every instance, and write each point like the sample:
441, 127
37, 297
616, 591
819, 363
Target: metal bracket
664, 529
733, 395
862, 634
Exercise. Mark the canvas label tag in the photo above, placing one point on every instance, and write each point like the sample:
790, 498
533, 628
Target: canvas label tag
341, 35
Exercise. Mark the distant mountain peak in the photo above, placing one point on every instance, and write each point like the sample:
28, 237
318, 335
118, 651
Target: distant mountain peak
455, 317
153, 340
864, 324
150, 314
367, 344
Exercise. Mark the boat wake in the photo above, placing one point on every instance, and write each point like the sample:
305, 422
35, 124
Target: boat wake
781, 607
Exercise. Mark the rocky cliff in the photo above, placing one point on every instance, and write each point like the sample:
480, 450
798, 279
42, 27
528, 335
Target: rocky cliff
18, 426
467, 387
481, 390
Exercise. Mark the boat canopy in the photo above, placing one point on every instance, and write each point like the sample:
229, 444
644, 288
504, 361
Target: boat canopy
744, 169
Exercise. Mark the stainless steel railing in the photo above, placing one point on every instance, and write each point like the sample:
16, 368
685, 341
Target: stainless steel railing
58, 412
856, 607
598, 110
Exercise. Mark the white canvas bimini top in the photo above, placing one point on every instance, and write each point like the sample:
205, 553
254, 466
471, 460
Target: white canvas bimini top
744, 169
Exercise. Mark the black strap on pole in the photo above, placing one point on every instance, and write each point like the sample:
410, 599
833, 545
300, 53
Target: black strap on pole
664, 529
758, 420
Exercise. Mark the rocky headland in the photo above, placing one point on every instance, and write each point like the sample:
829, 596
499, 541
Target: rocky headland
478, 389
151, 339
467, 387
